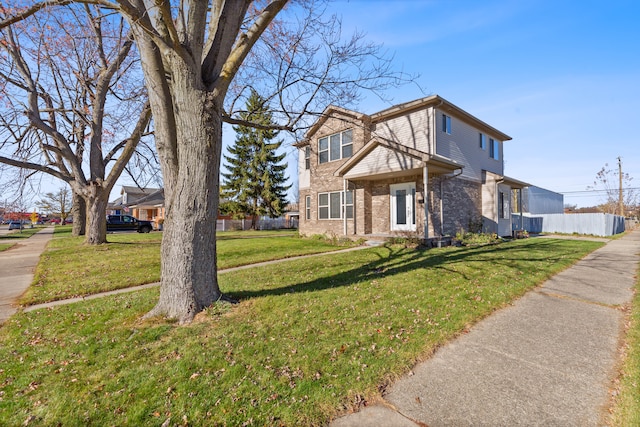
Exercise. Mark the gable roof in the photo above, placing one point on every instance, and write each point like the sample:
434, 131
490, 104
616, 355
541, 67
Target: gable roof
333, 112
131, 190
154, 199
442, 104
404, 158
435, 101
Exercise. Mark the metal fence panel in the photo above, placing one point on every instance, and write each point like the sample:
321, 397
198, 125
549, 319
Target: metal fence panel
598, 224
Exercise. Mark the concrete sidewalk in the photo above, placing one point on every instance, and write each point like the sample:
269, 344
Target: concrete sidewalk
548, 360
17, 265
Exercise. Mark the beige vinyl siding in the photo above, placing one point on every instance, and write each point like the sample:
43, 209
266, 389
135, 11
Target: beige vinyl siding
383, 160
411, 130
463, 146
304, 175
489, 202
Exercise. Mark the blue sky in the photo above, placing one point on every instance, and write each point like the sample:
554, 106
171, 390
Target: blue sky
561, 77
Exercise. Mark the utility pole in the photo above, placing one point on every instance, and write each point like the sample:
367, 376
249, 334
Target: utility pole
620, 200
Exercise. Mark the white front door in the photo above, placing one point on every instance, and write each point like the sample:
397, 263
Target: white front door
403, 206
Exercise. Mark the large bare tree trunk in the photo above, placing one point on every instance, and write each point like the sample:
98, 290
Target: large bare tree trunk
79, 214
96, 201
189, 274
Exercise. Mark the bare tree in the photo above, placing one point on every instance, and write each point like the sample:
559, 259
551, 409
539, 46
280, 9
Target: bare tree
200, 60
58, 203
620, 195
74, 105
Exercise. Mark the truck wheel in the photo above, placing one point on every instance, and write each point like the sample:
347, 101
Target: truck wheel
145, 229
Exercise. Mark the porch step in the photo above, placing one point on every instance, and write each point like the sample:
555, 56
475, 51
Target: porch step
374, 243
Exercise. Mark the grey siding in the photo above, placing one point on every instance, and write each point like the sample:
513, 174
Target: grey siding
536, 200
463, 146
304, 175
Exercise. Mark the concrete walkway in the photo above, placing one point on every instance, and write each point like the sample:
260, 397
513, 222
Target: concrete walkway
548, 360
17, 266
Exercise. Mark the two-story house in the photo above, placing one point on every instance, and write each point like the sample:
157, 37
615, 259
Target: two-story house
425, 168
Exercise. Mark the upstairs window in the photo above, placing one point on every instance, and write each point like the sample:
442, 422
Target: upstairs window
307, 157
494, 149
446, 124
483, 141
335, 147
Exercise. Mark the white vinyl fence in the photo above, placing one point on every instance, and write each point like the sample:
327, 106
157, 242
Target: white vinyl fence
597, 224
262, 224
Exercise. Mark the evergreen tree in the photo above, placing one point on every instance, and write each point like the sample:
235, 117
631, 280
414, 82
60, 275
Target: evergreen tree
255, 184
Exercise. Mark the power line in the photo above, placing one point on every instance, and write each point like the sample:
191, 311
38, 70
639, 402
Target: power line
596, 191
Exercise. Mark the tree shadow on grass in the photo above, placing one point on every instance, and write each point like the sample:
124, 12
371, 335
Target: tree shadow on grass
395, 261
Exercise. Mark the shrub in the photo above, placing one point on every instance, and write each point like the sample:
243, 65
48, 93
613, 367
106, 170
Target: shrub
477, 239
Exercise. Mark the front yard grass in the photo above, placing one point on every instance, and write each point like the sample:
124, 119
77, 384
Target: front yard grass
310, 338
626, 411
5, 246
25, 233
68, 268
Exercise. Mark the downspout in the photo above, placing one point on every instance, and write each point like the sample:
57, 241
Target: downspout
444, 178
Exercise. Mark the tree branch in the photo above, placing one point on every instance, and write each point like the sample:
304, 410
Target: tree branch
35, 167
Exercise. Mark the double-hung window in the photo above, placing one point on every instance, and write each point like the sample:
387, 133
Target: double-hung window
307, 207
332, 205
307, 157
446, 124
335, 147
494, 149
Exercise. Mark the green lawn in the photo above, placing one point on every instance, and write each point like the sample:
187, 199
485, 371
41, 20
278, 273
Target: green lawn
21, 234
68, 268
626, 411
5, 246
310, 338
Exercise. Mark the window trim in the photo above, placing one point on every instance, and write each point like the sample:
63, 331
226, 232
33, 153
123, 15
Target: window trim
328, 206
339, 149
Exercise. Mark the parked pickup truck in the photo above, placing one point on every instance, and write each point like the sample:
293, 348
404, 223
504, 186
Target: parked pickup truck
127, 222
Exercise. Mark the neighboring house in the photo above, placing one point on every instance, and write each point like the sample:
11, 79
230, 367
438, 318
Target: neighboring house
148, 204
150, 208
142, 203
424, 168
